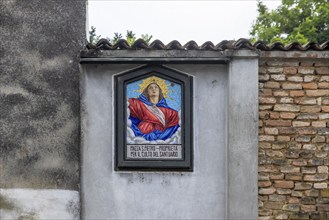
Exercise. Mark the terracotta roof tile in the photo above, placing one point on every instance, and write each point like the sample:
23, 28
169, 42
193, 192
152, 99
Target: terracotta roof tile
242, 43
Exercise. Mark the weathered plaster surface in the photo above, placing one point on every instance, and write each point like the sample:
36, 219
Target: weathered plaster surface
34, 204
39, 92
243, 139
200, 194
223, 184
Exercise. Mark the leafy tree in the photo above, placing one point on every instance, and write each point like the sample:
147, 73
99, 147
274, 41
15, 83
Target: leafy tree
293, 21
130, 37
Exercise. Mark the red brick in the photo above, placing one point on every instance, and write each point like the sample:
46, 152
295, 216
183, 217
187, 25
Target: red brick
299, 162
273, 205
287, 130
273, 131
306, 70
309, 147
280, 93
323, 116
317, 93
266, 138
265, 92
284, 184
307, 64
319, 124
310, 85
263, 77
301, 123
321, 63
276, 176
275, 69
303, 186
307, 116
278, 123
316, 177
274, 115
307, 130
324, 79
286, 100
278, 145
266, 191
278, 77
290, 169
293, 200
297, 93
283, 138
291, 207
277, 198
294, 177
295, 79
308, 208
325, 193
325, 101
322, 70
290, 70
323, 85
323, 207
267, 100
319, 139
265, 107
310, 78
263, 176
325, 108
306, 101
286, 108
267, 168
264, 145
309, 170
286, 115
264, 183
291, 86
273, 153
322, 169
311, 109
272, 85
283, 191
320, 185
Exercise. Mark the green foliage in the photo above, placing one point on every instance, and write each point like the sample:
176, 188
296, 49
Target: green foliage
116, 38
293, 21
93, 37
130, 37
147, 38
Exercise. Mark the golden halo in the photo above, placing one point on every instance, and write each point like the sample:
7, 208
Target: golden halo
157, 80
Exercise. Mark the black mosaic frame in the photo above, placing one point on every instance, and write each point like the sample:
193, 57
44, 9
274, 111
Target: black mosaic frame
186, 82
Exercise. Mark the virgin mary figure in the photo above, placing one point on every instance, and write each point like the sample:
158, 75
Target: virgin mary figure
150, 115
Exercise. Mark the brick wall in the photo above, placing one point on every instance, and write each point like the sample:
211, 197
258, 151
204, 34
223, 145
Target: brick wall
293, 138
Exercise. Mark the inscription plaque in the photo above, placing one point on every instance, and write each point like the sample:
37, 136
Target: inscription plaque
154, 120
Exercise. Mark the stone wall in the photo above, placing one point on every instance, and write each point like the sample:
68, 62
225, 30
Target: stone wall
293, 135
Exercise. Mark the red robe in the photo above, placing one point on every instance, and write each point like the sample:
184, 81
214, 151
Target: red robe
149, 122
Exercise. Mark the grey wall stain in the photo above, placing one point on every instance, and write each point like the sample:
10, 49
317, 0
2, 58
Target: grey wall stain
39, 92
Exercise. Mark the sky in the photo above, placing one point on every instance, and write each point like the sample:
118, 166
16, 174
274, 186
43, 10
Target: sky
201, 21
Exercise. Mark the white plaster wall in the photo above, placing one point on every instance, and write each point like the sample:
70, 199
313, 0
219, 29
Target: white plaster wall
201, 194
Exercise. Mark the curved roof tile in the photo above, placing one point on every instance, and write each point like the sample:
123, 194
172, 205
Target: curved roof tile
104, 44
